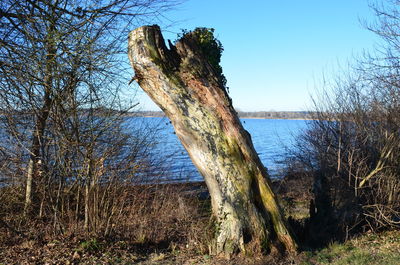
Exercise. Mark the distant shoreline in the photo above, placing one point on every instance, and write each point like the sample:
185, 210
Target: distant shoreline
270, 115
294, 119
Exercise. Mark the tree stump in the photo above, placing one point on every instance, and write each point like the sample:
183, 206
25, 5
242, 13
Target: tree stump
183, 82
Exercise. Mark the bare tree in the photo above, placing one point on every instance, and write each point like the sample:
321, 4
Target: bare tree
57, 57
352, 148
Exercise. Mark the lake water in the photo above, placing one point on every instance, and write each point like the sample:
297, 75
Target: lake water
270, 138
171, 163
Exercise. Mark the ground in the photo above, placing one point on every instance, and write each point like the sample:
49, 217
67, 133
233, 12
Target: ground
369, 249
74, 248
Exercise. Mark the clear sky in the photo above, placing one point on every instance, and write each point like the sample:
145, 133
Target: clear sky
277, 50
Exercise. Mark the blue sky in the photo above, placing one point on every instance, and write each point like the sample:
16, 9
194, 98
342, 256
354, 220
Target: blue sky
277, 51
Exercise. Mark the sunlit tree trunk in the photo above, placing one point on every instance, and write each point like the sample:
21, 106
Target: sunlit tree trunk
42, 114
186, 87
35, 161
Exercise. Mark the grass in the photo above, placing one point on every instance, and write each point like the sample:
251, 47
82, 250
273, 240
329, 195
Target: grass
369, 249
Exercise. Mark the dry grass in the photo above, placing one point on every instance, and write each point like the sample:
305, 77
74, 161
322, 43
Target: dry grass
161, 224
156, 222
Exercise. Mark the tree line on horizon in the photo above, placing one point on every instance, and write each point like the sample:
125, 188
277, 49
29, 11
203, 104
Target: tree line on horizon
305, 115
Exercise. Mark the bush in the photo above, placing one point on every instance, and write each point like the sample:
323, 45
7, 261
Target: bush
352, 147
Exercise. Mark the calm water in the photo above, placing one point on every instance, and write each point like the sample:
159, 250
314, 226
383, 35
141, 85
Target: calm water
270, 139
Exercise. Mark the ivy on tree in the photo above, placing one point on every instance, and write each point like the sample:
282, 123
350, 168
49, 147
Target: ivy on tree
209, 46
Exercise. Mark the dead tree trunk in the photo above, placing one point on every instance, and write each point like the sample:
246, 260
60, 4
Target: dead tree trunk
183, 83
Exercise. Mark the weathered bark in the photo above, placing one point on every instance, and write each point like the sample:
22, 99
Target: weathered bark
186, 87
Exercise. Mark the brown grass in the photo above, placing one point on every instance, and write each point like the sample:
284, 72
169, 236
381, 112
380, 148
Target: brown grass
165, 218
